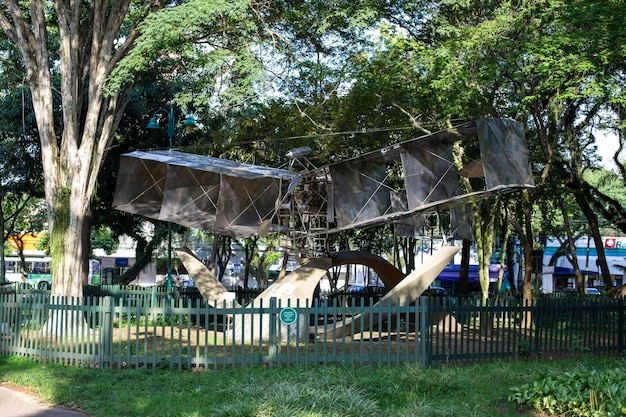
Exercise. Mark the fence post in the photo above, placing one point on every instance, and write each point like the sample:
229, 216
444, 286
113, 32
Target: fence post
8, 315
620, 326
538, 314
423, 312
273, 337
106, 331
153, 296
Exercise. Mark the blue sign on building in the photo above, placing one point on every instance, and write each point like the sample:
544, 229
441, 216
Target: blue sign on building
121, 262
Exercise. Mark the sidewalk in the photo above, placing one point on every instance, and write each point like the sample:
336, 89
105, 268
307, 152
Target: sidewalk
14, 403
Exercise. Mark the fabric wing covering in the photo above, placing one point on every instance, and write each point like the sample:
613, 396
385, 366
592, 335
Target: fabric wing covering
362, 183
197, 191
236, 199
495, 161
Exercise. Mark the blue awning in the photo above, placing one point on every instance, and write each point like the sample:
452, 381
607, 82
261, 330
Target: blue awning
451, 273
564, 271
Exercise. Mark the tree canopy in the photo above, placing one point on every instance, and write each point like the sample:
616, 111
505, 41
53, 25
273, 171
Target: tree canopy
343, 78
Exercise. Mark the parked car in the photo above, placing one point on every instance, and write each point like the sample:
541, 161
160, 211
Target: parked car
187, 283
593, 291
435, 292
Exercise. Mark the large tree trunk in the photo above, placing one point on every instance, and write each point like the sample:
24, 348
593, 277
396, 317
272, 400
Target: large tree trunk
527, 242
484, 219
571, 254
73, 150
505, 232
66, 249
510, 253
464, 268
594, 228
143, 253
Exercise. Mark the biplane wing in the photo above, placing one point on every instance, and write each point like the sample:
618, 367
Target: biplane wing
200, 192
393, 184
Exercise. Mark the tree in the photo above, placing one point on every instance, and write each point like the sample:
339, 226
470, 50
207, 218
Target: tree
90, 39
565, 228
563, 79
553, 65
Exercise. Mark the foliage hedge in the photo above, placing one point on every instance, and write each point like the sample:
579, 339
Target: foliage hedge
589, 393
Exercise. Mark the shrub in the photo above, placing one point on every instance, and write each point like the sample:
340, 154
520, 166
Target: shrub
589, 393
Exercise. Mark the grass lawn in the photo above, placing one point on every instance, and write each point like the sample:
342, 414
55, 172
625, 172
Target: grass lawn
476, 390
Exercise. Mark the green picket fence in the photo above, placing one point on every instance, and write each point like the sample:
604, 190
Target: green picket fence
147, 331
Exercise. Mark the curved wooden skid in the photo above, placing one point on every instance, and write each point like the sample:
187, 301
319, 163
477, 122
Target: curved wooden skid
297, 287
409, 289
211, 289
294, 289
387, 272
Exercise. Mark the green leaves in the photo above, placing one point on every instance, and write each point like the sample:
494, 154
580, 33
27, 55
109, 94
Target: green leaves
588, 393
198, 41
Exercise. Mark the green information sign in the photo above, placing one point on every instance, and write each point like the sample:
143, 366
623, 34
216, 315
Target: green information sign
288, 316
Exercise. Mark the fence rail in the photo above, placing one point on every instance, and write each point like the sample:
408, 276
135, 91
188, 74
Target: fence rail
148, 331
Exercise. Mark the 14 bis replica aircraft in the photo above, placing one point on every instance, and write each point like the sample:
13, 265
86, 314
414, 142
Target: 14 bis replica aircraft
241, 200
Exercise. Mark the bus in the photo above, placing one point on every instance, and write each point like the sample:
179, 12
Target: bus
38, 270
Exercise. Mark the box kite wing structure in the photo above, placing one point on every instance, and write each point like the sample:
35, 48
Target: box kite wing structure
402, 182
362, 190
201, 192
394, 184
